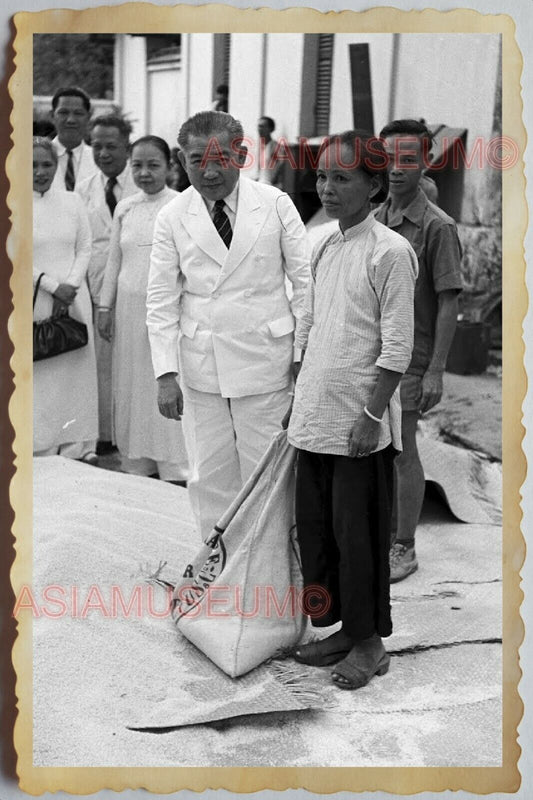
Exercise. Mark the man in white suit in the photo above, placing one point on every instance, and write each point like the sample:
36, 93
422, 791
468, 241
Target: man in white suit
221, 255
111, 182
71, 110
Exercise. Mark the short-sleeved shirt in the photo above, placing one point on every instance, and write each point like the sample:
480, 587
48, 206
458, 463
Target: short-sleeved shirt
358, 317
433, 236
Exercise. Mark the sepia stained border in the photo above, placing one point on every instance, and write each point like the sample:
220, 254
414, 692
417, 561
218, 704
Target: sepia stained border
146, 18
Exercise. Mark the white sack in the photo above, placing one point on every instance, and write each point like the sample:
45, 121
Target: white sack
239, 601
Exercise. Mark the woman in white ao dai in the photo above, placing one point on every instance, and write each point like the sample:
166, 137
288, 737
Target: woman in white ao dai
148, 442
65, 400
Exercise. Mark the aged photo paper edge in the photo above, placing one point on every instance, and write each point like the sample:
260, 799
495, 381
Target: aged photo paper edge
149, 18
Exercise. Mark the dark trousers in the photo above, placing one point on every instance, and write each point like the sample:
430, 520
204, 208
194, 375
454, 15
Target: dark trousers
343, 515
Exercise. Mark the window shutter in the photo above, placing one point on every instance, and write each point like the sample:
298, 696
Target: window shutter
323, 82
226, 49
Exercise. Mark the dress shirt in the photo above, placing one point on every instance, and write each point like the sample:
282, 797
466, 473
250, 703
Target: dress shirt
230, 207
120, 185
358, 317
82, 157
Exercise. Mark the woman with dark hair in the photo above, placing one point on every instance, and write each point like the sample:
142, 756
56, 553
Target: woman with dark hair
65, 417
148, 442
357, 334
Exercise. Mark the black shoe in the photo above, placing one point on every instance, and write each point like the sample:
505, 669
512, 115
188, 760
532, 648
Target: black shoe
104, 448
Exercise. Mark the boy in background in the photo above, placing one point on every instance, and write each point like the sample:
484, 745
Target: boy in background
433, 236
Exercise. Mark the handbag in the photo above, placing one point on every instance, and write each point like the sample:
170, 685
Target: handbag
57, 334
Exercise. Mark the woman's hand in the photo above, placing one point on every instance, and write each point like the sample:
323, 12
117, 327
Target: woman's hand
364, 437
65, 293
105, 324
58, 307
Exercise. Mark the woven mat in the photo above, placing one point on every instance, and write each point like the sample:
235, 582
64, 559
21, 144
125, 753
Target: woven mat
202, 693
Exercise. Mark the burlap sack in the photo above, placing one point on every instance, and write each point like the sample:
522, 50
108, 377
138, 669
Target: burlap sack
240, 601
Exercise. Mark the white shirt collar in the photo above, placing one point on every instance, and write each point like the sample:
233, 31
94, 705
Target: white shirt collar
61, 149
119, 178
230, 200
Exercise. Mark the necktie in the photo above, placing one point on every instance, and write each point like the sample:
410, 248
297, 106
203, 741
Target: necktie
70, 178
110, 198
222, 223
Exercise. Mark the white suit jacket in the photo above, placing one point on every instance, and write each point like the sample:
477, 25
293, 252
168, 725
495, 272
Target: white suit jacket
228, 310
83, 160
92, 192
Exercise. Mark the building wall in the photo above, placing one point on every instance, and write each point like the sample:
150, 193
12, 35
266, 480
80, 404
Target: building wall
166, 100
452, 78
380, 48
198, 67
449, 78
445, 78
131, 80
284, 82
245, 81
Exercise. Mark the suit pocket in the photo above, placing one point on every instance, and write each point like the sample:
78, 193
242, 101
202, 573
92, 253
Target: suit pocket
282, 326
188, 327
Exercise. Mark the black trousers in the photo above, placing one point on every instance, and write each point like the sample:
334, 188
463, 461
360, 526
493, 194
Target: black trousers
343, 516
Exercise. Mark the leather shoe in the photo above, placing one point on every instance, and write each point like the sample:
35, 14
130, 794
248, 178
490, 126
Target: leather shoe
402, 561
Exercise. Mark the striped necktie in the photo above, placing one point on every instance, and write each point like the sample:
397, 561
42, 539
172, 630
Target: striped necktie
222, 223
110, 198
70, 178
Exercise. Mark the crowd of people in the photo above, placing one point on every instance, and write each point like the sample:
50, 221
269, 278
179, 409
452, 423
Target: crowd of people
206, 309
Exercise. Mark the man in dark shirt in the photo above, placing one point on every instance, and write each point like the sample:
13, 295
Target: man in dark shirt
433, 236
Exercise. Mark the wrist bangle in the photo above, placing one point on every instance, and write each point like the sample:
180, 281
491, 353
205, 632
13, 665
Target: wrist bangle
371, 416
104, 308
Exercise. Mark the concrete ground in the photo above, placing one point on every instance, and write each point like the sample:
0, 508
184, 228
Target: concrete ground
470, 412
439, 705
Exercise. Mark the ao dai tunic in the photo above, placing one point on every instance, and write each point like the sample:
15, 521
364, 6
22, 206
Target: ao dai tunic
358, 317
139, 429
65, 399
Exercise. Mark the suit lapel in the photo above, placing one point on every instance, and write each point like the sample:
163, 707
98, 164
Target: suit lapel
248, 224
200, 228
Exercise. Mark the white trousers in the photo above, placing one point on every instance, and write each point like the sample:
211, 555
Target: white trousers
225, 439
167, 470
